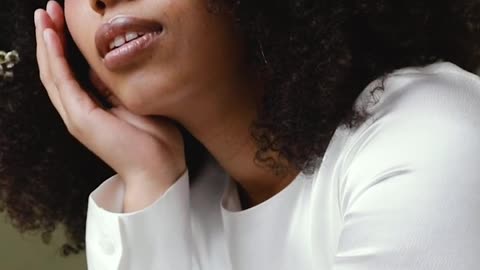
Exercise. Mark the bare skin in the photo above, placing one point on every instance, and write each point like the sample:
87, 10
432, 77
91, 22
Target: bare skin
208, 94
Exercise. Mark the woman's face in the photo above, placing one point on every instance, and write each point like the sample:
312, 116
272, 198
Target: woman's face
193, 51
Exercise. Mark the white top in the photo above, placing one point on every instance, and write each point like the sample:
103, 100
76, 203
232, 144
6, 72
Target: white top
402, 191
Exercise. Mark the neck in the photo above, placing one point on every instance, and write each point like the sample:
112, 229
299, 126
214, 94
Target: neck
221, 121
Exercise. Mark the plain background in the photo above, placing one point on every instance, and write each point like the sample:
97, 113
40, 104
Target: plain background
28, 252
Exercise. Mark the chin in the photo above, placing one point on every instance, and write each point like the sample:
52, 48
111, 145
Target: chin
143, 95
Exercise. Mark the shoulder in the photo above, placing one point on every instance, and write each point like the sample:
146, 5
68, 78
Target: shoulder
426, 120
410, 175
441, 87
434, 102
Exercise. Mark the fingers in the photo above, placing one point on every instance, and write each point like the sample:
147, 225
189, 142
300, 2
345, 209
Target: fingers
63, 89
75, 101
41, 22
55, 12
92, 126
156, 127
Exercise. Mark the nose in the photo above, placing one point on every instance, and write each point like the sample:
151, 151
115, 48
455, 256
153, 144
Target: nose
99, 6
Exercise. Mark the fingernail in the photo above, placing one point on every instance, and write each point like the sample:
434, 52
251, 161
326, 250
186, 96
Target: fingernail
36, 16
49, 7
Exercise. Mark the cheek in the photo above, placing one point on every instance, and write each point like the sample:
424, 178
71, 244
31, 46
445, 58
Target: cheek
72, 15
77, 13
69, 9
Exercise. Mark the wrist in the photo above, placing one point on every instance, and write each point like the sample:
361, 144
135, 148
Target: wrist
142, 191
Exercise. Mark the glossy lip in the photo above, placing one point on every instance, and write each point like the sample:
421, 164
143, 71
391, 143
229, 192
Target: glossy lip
120, 25
127, 54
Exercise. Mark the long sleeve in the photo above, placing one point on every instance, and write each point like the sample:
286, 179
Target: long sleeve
157, 237
410, 189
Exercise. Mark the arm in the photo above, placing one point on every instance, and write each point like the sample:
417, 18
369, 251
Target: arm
148, 157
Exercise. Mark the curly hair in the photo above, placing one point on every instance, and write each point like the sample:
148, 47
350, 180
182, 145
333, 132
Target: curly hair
314, 56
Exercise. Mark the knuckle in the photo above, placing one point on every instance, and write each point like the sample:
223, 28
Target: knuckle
73, 129
74, 126
44, 78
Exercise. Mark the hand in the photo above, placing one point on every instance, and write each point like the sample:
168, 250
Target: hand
144, 150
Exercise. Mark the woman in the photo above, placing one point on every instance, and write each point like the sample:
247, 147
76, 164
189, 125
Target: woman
337, 135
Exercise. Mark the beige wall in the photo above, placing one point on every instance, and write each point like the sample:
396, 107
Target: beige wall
27, 251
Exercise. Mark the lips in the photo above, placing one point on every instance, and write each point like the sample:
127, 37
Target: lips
119, 26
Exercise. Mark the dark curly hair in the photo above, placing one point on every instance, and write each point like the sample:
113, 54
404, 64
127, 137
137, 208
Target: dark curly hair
314, 56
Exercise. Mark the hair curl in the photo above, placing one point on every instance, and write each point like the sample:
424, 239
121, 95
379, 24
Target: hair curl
315, 57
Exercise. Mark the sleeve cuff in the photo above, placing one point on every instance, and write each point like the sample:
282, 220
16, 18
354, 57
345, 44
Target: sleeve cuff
109, 196
160, 232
